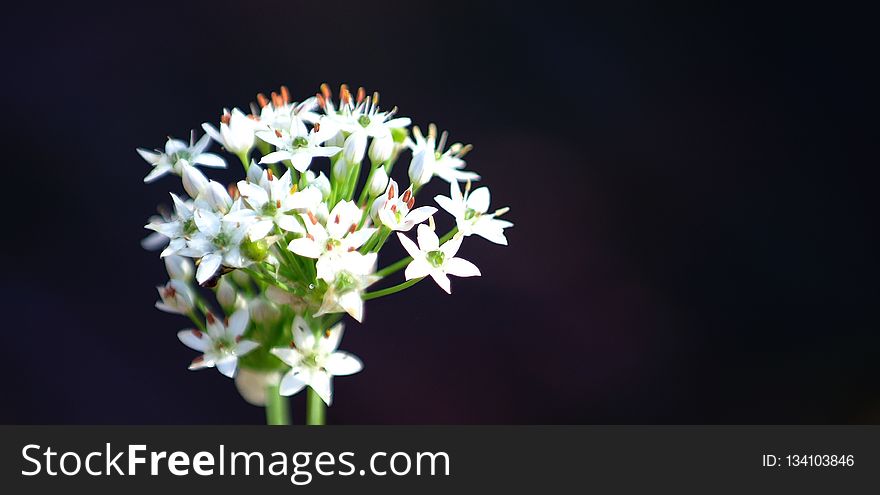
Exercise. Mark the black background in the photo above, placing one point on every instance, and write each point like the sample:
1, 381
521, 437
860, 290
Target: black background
693, 191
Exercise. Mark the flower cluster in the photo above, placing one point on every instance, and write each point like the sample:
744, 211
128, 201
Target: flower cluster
289, 249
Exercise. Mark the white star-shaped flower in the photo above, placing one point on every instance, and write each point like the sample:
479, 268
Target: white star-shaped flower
298, 146
178, 229
271, 200
236, 132
222, 344
396, 213
429, 159
470, 212
430, 258
217, 243
176, 297
314, 361
177, 154
340, 235
352, 273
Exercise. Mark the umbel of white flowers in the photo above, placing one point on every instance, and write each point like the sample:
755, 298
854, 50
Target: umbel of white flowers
295, 245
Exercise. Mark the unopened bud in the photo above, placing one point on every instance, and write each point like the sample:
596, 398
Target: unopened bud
381, 149
179, 268
194, 181
378, 182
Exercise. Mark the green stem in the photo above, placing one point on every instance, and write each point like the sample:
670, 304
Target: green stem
245, 160
390, 290
277, 412
198, 323
315, 408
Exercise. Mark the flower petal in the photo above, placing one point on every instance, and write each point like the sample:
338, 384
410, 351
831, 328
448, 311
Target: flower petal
461, 268
342, 364
194, 339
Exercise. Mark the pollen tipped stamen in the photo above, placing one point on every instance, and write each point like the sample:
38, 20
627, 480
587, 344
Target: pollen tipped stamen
293, 189
312, 218
321, 101
336, 219
237, 339
317, 127
278, 204
391, 192
225, 118
197, 333
327, 333
292, 344
209, 317
411, 203
232, 189
262, 100
285, 94
269, 173
406, 196
353, 228
277, 133
361, 94
325, 91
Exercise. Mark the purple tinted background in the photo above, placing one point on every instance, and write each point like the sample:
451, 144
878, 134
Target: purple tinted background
694, 243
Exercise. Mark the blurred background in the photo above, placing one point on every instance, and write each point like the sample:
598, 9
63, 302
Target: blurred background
692, 190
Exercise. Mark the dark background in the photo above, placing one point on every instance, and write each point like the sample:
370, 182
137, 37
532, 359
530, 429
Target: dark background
692, 187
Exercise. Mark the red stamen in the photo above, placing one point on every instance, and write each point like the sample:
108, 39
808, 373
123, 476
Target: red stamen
411, 203
312, 218
325, 91
237, 339
285, 94
277, 133
361, 94
224, 119
292, 344
269, 172
353, 228
391, 191
210, 318
321, 101
336, 220
278, 204
262, 100
197, 333
406, 196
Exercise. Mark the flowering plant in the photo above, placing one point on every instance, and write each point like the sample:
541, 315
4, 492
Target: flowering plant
288, 251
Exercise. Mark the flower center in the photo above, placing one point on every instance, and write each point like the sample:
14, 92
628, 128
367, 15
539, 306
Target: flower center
435, 258
222, 240
470, 214
364, 121
345, 282
300, 142
189, 227
270, 208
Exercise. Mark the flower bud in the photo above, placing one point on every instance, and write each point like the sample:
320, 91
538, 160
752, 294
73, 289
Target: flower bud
194, 181
374, 209
381, 149
218, 196
179, 268
253, 385
255, 250
240, 277
421, 168
226, 294
263, 311
378, 182
323, 185
254, 173
354, 147
340, 169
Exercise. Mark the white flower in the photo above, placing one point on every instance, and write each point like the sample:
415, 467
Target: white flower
381, 149
272, 199
340, 235
177, 297
236, 131
362, 121
178, 229
297, 146
176, 154
282, 114
320, 181
217, 243
194, 181
179, 268
379, 182
228, 297
314, 361
222, 344
396, 213
430, 258
430, 160
470, 213
352, 273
